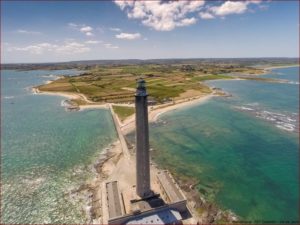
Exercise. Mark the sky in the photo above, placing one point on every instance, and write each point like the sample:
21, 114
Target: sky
49, 31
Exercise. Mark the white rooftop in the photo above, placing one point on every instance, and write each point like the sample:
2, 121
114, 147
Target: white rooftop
167, 216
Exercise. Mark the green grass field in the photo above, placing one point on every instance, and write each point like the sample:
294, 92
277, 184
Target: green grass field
116, 84
123, 112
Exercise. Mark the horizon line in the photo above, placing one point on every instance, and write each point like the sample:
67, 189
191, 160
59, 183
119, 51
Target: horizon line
128, 59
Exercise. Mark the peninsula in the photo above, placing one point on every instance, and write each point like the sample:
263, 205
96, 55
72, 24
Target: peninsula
169, 87
169, 82
143, 192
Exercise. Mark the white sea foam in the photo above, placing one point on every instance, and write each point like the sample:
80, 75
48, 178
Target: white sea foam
286, 121
8, 97
293, 82
246, 108
50, 76
253, 104
63, 103
287, 128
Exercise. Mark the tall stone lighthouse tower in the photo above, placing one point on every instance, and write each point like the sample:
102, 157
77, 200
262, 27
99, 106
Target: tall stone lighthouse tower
143, 189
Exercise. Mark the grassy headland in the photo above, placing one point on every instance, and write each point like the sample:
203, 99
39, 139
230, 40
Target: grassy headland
165, 83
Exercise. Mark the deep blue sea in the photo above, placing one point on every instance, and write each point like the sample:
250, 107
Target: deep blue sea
46, 151
243, 150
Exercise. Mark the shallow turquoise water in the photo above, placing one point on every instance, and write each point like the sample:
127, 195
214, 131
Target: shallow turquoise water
280, 97
46, 151
290, 73
250, 162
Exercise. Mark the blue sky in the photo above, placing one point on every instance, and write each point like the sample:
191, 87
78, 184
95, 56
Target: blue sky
83, 30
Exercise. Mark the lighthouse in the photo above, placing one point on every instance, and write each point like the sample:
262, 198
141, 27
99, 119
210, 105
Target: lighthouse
143, 188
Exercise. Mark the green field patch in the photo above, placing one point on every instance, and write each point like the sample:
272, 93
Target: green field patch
103, 83
210, 77
123, 111
163, 93
60, 87
137, 70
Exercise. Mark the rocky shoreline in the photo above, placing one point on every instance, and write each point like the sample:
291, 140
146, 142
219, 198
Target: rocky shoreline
105, 166
88, 194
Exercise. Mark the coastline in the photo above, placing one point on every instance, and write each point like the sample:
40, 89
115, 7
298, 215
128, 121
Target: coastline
63, 94
70, 96
278, 67
107, 166
268, 69
128, 124
89, 192
112, 161
154, 111
114, 169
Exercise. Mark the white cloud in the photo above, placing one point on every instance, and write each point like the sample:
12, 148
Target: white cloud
86, 29
35, 49
187, 21
89, 34
256, 1
123, 3
93, 42
111, 46
73, 25
161, 15
230, 7
20, 31
66, 48
72, 48
115, 29
128, 36
206, 15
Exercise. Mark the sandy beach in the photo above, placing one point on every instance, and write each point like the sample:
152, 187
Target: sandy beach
269, 69
154, 111
90, 104
278, 67
128, 125
104, 106
63, 94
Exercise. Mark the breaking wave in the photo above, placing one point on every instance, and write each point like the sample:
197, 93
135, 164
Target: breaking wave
8, 97
285, 120
50, 76
293, 82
